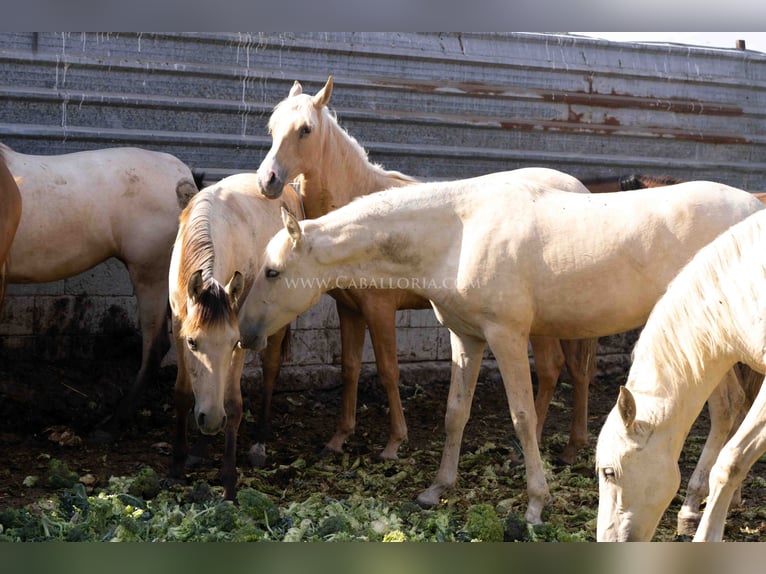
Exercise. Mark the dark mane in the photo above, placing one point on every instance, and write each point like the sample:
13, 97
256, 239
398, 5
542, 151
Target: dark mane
198, 254
643, 181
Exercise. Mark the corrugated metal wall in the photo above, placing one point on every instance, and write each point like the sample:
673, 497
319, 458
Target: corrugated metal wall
435, 106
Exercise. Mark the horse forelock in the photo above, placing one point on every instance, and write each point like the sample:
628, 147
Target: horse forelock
702, 306
212, 308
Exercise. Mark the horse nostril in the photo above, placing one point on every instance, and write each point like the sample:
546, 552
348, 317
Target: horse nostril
272, 178
201, 420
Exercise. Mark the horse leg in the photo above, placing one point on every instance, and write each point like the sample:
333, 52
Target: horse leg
510, 350
352, 329
549, 360
581, 363
466, 361
381, 321
271, 360
151, 290
730, 469
233, 408
724, 403
183, 401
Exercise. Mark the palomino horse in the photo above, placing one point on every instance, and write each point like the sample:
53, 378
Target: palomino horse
500, 257
308, 140
217, 253
83, 208
710, 317
10, 215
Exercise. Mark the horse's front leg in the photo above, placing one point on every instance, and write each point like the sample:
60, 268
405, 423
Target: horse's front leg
724, 406
183, 402
732, 465
233, 407
352, 329
466, 361
271, 360
510, 350
380, 312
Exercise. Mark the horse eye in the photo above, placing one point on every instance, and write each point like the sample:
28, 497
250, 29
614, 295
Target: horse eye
238, 345
609, 473
192, 343
272, 273
304, 130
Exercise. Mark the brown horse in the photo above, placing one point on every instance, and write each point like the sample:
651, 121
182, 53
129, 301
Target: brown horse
10, 215
307, 140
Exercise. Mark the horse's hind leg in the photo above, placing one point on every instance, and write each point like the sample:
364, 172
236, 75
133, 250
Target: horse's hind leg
381, 321
352, 330
549, 360
724, 404
466, 362
271, 360
731, 467
151, 290
581, 363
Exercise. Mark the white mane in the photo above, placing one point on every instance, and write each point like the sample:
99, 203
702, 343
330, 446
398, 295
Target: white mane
699, 315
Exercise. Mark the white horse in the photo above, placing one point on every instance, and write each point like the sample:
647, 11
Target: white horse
711, 317
83, 208
221, 237
500, 257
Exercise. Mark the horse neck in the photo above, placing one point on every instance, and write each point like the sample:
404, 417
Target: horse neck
382, 242
343, 173
675, 390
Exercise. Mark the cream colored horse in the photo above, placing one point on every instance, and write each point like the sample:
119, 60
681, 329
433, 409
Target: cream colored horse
217, 253
308, 140
710, 318
500, 257
10, 215
83, 208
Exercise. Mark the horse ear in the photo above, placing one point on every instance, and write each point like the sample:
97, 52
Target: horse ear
322, 97
195, 286
626, 404
296, 90
292, 226
235, 287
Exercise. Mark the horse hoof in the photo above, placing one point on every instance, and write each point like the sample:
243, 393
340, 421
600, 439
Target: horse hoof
257, 456
103, 437
687, 524
428, 498
328, 452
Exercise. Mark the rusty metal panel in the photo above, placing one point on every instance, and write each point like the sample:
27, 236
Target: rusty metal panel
433, 105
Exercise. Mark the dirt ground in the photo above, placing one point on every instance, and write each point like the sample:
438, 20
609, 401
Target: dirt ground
51, 410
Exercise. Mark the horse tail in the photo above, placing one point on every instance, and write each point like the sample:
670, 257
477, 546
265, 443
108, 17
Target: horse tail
3, 281
186, 189
751, 382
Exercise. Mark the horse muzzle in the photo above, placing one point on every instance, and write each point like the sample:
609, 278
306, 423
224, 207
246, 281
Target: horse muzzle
271, 183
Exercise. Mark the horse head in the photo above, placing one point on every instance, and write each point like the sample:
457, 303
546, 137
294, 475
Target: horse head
210, 333
295, 127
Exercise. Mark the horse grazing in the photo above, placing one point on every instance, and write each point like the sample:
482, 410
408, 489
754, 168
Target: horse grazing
85, 207
216, 255
308, 140
710, 318
10, 215
500, 257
